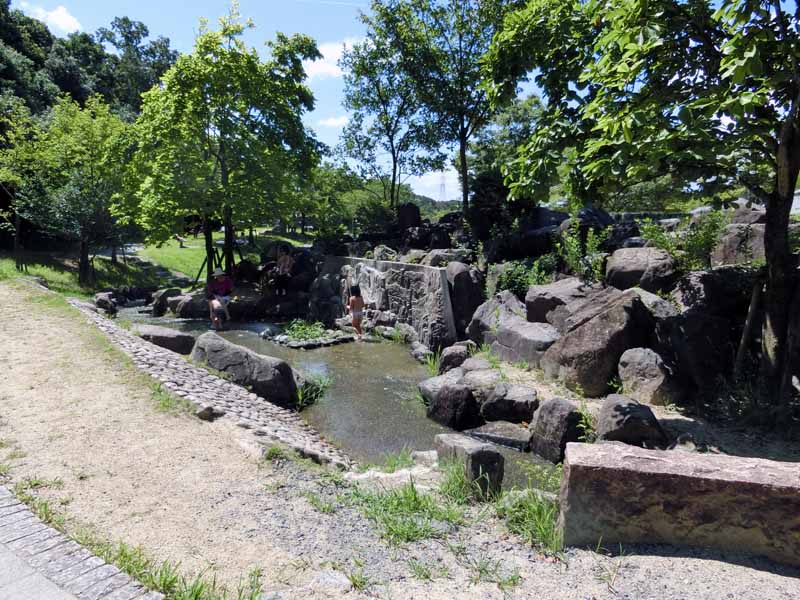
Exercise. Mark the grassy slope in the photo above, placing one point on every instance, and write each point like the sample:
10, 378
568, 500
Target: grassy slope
61, 274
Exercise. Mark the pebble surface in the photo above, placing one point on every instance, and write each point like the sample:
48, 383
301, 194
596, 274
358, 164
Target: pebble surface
213, 395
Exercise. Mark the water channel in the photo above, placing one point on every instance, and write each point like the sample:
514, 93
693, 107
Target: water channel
370, 409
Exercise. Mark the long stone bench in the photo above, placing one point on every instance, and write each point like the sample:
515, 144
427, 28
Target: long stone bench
613, 493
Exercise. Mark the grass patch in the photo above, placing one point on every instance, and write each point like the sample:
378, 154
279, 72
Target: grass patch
319, 504
433, 362
16, 454
314, 389
302, 331
167, 402
542, 477
405, 514
5, 469
485, 570
457, 487
275, 452
183, 260
533, 517
61, 274
395, 462
359, 581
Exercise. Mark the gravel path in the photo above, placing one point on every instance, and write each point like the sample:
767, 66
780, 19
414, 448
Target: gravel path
73, 408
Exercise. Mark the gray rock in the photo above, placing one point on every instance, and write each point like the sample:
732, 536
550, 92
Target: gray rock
651, 269
482, 383
429, 388
623, 419
420, 352
466, 293
723, 291
268, 377
739, 243
647, 379
510, 402
171, 339
659, 308
441, 257
105, 301
454, 406
452, 357
520, 341
173, 302
413, 257
159, 308
749, 216
384, 253
617, 494
586, 357
555, 423
503, 433
482, 463
541, 300
475, 364
490, 315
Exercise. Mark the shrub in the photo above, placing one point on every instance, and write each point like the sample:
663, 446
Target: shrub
300, 330
584, 258
517, 276
692, 244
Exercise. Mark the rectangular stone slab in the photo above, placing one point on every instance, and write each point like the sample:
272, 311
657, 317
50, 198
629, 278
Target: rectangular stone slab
614, 493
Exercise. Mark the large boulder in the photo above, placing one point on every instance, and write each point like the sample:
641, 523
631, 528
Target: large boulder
616, 494
160, 298
699, 344
503, 433
408, 215
482, 462
268, 377
452, 357
651, 269
623, 419
739, 243
171, 339
430, 388
658, 307
723, 291
106, 301
749, 216
510, 402
585, 358
482, 382
646, 378
466, 293
455, 407
541, 300
174, 301
441, 257
384, 253
491, 314
554, 424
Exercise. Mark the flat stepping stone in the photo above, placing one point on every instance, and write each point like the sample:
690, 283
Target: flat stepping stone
503, 433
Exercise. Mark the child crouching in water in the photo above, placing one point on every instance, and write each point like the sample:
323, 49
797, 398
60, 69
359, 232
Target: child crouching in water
355, 306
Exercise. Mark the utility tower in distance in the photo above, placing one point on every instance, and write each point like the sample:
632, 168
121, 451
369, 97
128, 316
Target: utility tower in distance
442, 189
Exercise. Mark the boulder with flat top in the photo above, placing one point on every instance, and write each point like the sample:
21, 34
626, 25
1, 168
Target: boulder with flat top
483, 463
171, 339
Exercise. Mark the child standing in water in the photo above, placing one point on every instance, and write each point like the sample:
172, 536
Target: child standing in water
355, 306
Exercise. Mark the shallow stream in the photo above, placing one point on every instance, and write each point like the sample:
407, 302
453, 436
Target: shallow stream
370, 409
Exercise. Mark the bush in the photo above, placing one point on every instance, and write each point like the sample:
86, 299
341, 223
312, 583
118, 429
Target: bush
692, 244
584, 258
517, 276
300, 331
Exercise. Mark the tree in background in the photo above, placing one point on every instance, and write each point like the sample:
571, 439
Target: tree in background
711, 95
387, 134
223, 128
439, 44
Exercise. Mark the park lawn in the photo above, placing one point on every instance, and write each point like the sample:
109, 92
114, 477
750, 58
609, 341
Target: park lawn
189, 259
61, 273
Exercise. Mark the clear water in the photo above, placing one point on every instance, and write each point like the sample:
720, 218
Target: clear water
370, 409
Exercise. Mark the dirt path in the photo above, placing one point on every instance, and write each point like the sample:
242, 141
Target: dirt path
72, 408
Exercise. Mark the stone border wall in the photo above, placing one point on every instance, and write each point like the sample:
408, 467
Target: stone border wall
440, 295
213, 395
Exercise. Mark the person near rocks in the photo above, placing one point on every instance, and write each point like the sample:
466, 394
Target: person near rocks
219, 295
284, 276
355, 306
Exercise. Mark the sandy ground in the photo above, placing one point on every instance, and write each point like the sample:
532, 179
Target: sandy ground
73, 408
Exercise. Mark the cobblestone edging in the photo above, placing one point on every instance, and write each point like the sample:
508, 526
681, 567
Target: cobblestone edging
62, 561
210, 393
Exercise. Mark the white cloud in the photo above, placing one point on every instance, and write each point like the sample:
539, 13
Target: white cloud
333, 122
59, 19
430, 185
327, 66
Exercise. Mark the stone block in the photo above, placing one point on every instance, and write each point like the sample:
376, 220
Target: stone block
510, 402
503, 433
483, 463
555, 423
618, 494
171, 339
454, 407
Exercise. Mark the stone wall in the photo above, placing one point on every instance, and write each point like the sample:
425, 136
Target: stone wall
419, 295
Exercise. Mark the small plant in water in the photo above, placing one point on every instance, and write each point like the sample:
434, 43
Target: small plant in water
301, 331
314, 389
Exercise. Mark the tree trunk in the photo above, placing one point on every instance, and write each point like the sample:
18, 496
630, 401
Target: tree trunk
462, 150
18, 262
84, 268
302, 223
252, 237
780, 265
113, 255
208, 235
227, 217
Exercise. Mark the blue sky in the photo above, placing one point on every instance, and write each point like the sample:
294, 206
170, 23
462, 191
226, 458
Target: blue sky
332, 23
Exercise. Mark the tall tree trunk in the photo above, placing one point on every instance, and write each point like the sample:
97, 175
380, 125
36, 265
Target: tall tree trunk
84, 268
781, 273
252, 236
462, 152
208, 235
302, 223
18, 262
227, 217
114, 254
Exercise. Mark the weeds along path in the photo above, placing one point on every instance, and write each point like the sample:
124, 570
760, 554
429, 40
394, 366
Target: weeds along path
80, 429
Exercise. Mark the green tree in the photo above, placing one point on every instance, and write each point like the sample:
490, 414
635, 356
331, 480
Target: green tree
386, 119
439, 44
222, 134
710, 94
